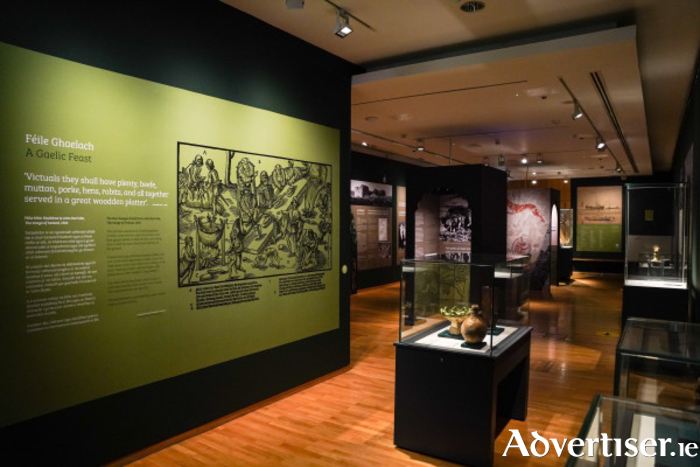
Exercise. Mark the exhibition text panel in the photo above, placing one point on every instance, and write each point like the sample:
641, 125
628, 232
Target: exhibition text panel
152, 231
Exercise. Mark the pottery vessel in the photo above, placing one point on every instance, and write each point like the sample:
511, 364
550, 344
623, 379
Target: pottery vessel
455, 328
473, 327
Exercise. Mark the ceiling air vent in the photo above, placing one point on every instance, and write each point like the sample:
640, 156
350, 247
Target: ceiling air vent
472, 6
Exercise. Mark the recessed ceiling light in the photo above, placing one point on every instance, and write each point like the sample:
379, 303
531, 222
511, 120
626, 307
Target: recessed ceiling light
566, 181
364, 143
534, 182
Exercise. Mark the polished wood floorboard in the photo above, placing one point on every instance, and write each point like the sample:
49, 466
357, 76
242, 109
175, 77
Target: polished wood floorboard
347, 419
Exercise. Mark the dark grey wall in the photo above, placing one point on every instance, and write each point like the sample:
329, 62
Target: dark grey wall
687, 169
484, 187
210, 48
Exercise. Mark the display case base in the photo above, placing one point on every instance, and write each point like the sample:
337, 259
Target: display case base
566, 265
439, 390
654, 303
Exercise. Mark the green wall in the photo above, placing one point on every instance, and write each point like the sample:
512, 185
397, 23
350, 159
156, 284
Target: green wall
104, 365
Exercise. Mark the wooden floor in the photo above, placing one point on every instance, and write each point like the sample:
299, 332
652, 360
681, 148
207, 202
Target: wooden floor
348, 419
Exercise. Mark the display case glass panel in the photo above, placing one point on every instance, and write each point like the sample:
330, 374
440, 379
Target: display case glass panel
659, 361
466, 306
566, 228
656, 244
618, 423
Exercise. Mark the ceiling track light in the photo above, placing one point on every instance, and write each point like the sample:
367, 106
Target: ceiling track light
578, 111
342, 23
472, 6
599, 144
403, 144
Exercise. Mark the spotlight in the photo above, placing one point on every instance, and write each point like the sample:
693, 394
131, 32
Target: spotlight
534, 182
524, 159
342, 23
364, 143
566, 181
599, 144
578, 113
539, 159
472, 6
421, 145
486, 161
618, 169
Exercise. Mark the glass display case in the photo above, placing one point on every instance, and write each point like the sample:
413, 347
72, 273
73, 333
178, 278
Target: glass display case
471, 306
615, 428
656, 243
659, 361
566, 228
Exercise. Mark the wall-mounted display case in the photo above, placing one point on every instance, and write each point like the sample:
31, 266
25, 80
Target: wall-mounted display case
659, 361
566, 245
626, 423
566, 228
656, 236
470, 307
